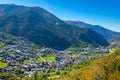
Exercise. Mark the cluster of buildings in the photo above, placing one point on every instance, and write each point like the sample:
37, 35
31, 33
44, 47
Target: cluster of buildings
18, 50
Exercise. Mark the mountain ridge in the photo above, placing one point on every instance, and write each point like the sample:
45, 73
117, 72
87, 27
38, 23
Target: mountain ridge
108, 34
45, 29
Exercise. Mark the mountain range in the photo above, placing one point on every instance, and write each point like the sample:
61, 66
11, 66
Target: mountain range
43, 28
108, 34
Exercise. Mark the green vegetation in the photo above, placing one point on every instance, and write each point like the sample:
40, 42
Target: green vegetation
0, 57
12, 75
2, 44
108, 34
71, 50
50, 58
26, 62
3, 65
46, 59
40, 59
105, 68
42, 29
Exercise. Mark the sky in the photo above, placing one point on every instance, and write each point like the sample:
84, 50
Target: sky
97, 12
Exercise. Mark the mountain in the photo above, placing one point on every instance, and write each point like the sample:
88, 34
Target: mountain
105, 68
115, 43
108, 34
45, 29
116, 39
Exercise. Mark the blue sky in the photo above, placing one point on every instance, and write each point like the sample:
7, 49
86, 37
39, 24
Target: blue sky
99, 12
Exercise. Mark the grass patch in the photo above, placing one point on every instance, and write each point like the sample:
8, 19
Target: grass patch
50, 58
39, 60
26, 62
3, 65
0, 57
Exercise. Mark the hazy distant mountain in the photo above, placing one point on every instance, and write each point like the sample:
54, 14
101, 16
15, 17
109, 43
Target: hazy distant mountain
108, 34
43, 28
115, 43
116, 39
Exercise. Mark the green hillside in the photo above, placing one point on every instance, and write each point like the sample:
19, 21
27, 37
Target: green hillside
45, 29
3, 65
106, 68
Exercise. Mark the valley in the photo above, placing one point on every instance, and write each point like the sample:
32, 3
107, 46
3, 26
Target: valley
17, 53
37, 45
